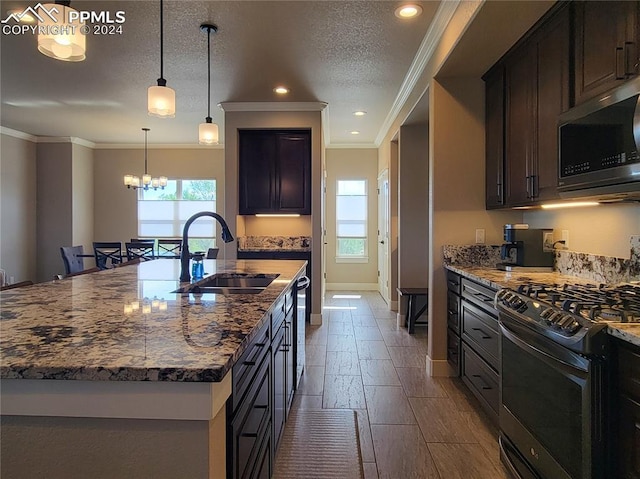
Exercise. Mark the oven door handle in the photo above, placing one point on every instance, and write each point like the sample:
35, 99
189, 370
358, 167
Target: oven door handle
552, 354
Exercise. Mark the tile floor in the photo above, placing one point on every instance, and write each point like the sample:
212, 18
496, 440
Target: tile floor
411, 425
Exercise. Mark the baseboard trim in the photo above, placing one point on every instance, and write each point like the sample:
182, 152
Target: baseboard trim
316, 319
393, 305
438, 367
352, 286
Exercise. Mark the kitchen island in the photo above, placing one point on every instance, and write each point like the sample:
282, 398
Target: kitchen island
112, 374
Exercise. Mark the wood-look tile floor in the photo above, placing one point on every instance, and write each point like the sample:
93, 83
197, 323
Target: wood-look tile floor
411, 425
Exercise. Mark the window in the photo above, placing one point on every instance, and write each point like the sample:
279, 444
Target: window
351, 219
163, 213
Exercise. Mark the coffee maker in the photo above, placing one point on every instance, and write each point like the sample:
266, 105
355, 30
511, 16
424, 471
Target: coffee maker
526, 247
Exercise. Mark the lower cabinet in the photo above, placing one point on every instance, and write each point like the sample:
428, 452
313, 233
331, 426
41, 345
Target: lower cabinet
627, 408
479, 341
453, 321
261, 395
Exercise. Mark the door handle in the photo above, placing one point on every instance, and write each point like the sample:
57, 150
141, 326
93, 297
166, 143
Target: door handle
482, 333
481, 381
381, 242
620, 63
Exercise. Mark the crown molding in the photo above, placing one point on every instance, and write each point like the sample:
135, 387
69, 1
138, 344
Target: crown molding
65, 139
18, 134
273, 106
168, 146
429, 43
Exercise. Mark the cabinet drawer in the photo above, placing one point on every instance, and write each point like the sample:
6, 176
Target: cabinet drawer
453, 351
629, 371
481, 379
480, 330
453, 282
453, 311
478, 294
251, 423
246, 368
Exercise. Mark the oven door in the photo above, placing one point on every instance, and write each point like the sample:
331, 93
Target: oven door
551, 406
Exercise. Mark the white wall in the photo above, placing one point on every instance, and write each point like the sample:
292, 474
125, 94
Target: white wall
115, 206
18, 208
82, 202
600, 230
352, 164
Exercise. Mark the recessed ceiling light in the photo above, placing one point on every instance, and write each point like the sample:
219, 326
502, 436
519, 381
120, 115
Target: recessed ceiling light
22, 15
281, 90
359, 113
409, 10
355, 132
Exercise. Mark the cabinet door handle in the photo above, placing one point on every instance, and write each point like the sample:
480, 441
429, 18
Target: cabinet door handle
630, 67
452, 313
620, 63
528, 180
483, 297
249, 363
483, 384
499, 193
534, 186
482, 332
249, 434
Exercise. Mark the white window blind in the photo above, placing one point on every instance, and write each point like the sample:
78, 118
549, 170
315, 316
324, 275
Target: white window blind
351, 219
163, 213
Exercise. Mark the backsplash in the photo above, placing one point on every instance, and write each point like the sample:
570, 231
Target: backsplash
261, 243
600, 269
482, 255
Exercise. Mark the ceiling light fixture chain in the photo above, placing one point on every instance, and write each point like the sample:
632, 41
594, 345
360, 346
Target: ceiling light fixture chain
208, 131
161, 100
133, 182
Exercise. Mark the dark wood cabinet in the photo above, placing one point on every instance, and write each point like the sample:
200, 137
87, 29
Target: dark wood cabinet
479, 354
529, 88
494, 145
453, 321
606, 46
262, 389
274, 171
284, 254
627, 408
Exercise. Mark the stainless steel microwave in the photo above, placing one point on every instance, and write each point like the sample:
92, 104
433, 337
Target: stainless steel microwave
599, 146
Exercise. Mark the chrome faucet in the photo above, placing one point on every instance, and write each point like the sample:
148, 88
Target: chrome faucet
184, 255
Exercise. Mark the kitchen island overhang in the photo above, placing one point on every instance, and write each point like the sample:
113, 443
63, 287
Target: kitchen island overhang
166, 373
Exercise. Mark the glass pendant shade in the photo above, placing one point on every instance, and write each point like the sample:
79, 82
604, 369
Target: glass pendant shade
208, 133
60, 39
161, 101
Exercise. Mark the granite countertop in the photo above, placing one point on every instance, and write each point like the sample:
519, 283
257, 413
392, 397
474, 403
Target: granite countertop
497, 279
125, 324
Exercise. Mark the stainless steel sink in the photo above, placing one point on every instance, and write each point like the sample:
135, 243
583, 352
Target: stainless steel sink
230, 283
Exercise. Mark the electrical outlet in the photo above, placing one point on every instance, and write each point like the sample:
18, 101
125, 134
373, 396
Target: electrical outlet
565, 238
480, 236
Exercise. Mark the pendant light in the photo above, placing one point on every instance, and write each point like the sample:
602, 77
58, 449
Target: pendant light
208, 131
161, 100
57, 38
132, 181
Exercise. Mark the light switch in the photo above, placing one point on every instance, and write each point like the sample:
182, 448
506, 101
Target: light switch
480, 236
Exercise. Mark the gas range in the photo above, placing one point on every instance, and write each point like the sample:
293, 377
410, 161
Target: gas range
573, 315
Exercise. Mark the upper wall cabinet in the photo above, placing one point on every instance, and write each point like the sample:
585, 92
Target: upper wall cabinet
606, 46
525, 93
275, 171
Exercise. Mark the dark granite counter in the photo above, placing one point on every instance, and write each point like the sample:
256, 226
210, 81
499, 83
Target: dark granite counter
125, 324
269, 244
497, 279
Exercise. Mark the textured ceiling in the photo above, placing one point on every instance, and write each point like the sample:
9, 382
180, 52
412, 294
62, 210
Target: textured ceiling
353, 55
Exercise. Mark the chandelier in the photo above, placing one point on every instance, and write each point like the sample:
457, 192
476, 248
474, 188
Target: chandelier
132, 181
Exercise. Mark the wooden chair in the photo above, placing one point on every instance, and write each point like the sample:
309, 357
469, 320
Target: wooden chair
411, 318
140, 249
73, 263
169, 247
16, 285
107, 254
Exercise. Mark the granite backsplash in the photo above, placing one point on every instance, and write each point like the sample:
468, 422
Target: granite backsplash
262, 243
597, 268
